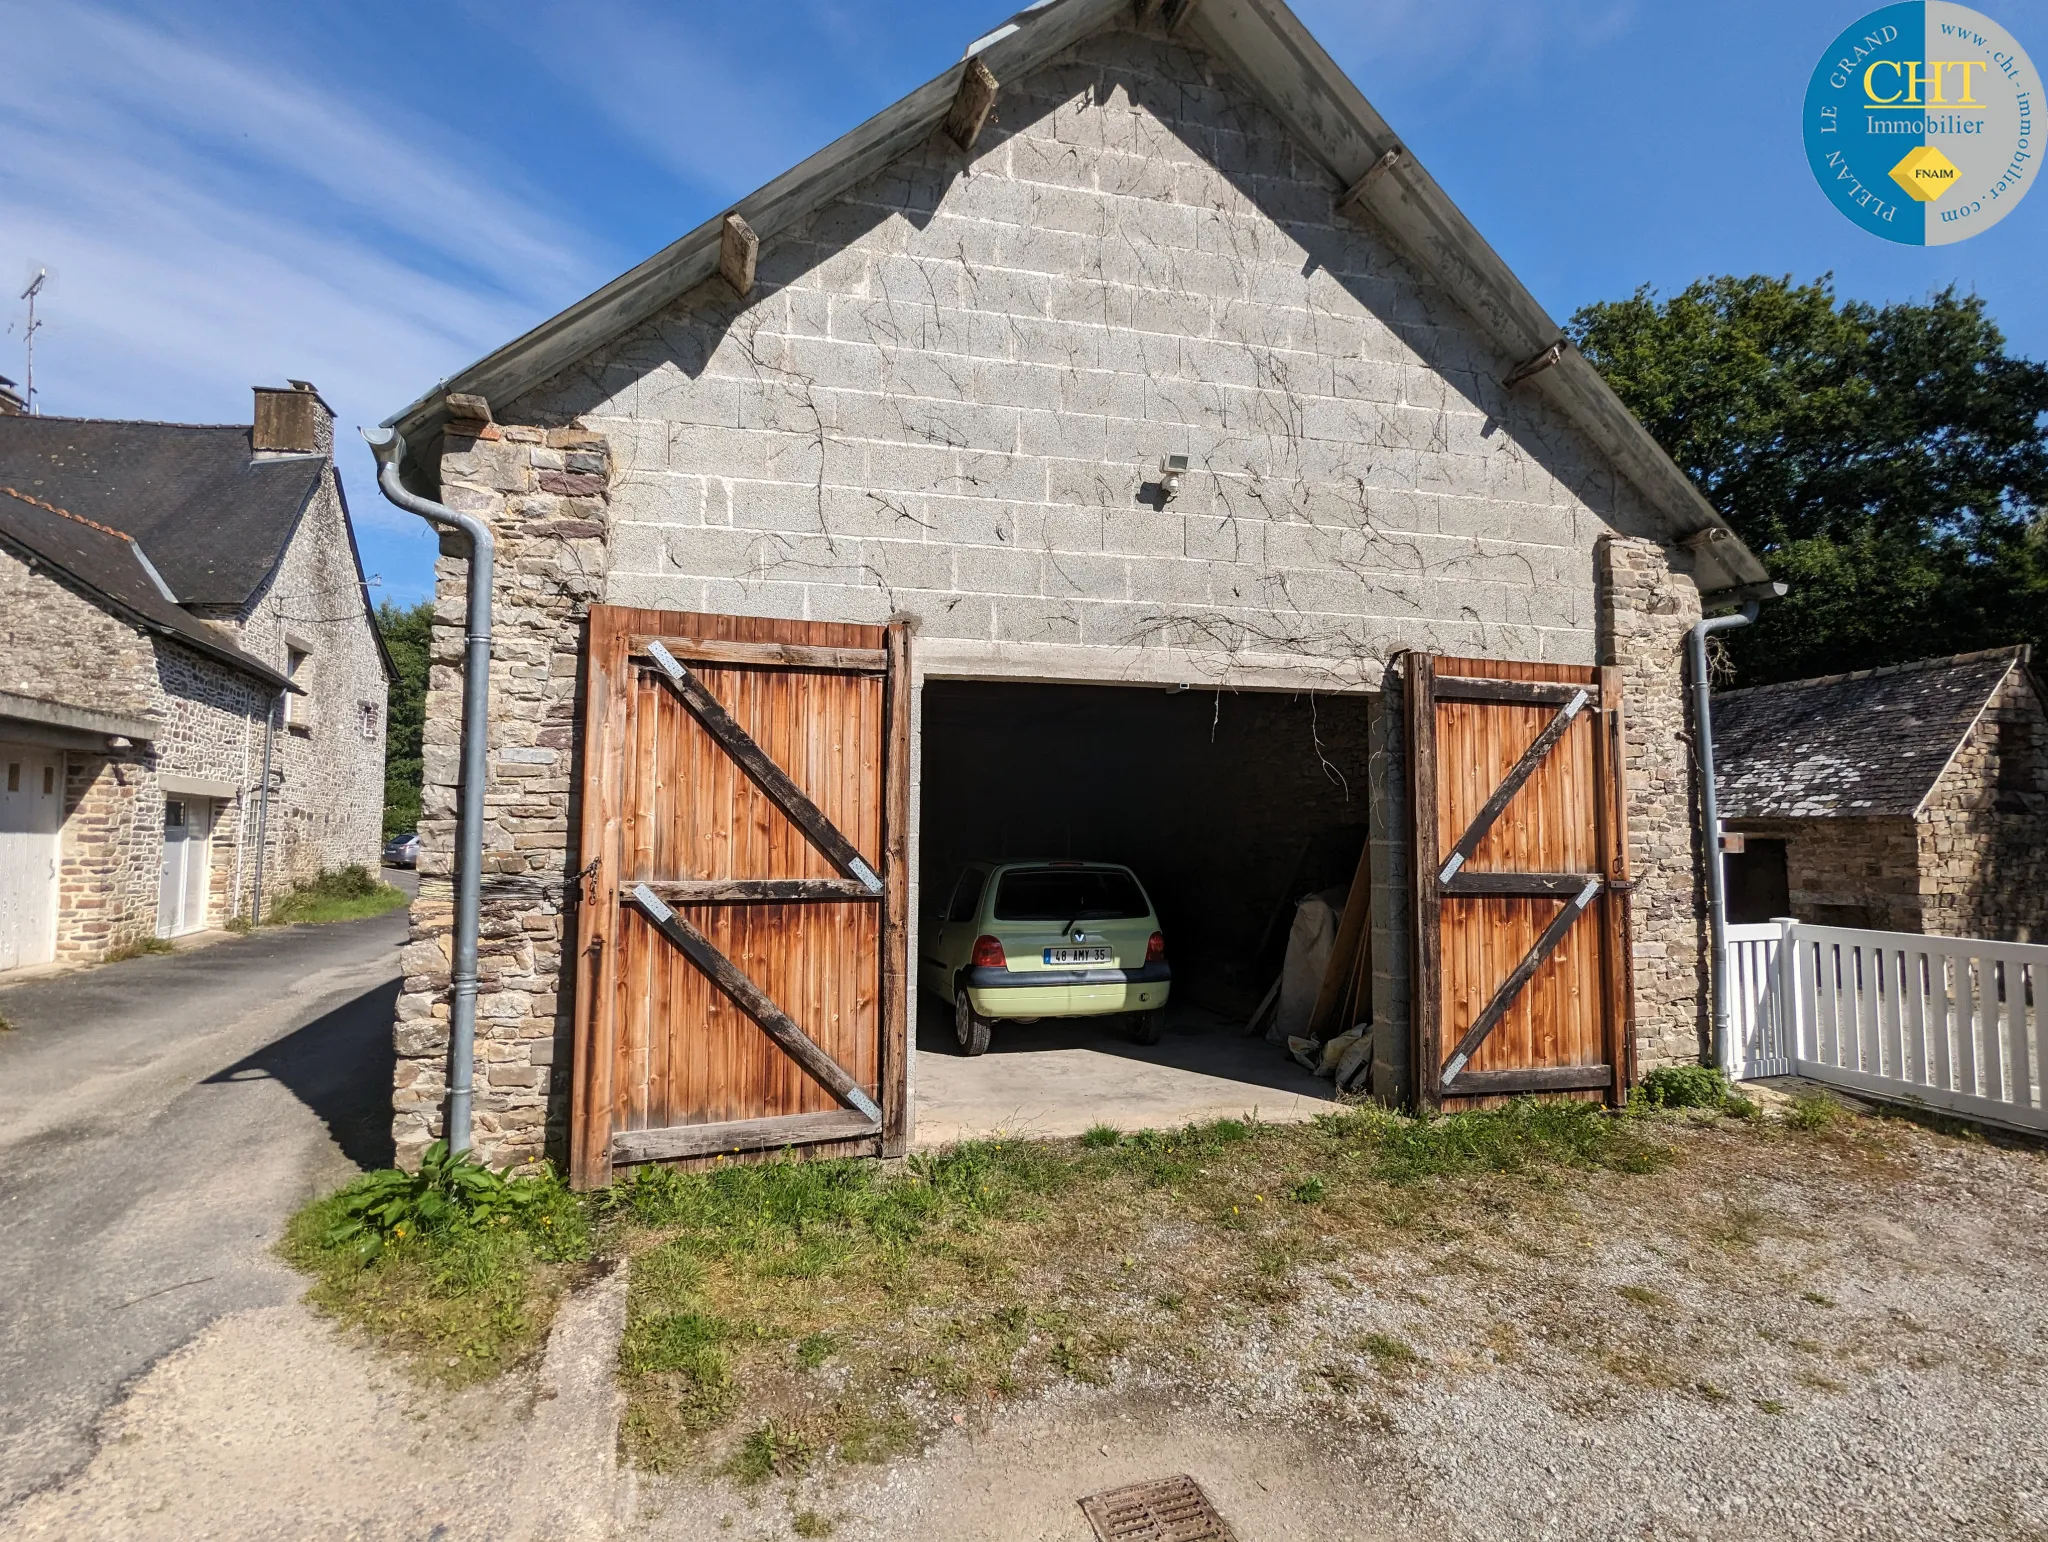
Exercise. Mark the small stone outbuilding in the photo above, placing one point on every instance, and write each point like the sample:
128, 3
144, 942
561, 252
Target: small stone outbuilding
1128, 372
1907, 799
182, 610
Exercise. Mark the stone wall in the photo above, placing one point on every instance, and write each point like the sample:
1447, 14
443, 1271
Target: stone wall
65, 647
327, 797
1849, 872
56, 644
1646, 611
544, 495
1983, 835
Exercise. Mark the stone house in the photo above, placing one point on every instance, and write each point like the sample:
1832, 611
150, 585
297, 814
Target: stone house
182, 611
1907, 799
1133, 355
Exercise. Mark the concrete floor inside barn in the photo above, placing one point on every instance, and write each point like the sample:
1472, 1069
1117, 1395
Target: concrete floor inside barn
1061, 1076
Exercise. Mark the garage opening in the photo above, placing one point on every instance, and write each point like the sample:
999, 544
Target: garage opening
1229, 807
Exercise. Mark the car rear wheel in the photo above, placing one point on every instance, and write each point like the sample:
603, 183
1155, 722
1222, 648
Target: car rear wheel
969, 1026
1146, 1027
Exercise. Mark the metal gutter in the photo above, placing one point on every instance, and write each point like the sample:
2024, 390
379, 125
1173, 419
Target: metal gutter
388, 445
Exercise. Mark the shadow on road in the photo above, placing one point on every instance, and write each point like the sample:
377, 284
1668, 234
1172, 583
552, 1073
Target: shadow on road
339, 1066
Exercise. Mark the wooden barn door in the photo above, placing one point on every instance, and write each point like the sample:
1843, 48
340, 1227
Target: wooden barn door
1521, 880
741, 937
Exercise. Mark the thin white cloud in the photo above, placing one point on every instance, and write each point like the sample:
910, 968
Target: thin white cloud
1460, 47
719, 97
216, 220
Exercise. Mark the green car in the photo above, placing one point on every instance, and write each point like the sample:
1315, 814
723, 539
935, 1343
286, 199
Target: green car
1025, 940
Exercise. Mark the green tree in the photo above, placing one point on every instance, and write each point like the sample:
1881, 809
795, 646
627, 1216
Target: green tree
1889, 463
408, 634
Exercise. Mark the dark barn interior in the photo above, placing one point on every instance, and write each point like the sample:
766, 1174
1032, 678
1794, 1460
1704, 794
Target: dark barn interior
1229, 806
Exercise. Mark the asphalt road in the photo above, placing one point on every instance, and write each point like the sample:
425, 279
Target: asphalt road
160, 1120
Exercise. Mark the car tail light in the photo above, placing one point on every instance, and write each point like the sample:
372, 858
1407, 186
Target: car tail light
988, 954
1155, 948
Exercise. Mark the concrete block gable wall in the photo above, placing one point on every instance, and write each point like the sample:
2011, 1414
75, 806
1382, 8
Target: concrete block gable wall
948, 398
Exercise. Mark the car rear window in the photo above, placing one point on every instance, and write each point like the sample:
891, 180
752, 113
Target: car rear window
1068, 894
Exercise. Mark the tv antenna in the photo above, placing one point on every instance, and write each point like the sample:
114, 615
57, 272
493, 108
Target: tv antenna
28, 389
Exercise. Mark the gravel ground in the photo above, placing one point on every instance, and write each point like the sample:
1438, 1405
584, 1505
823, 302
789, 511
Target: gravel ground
1852, 1349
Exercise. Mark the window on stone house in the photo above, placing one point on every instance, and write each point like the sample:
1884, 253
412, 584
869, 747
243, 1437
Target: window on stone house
297, 710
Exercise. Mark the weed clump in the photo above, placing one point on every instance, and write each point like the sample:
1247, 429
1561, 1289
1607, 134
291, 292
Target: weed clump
340, 894
1814, 1111
141, 947
1693, 1086
455, 1264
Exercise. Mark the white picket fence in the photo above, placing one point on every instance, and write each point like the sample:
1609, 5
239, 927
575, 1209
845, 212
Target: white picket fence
1953, 1023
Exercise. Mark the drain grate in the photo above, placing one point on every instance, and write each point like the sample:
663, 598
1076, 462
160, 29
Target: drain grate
1169, 1510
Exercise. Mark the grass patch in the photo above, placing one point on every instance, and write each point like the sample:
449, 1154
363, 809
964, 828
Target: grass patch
463, 1290
141, 947
1814, 1111
1388, 1352
787, 1313
343, 894
1513, 1139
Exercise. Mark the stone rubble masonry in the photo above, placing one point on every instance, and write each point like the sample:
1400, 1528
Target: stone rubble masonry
62, 645
1983, 830
1863, 871
1646, 611
543, 495
327, 798
948, 397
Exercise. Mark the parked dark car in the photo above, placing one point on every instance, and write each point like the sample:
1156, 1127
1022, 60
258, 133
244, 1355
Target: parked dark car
402, 850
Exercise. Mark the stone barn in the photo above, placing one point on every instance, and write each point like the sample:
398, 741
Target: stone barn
1120, 448
1907, 799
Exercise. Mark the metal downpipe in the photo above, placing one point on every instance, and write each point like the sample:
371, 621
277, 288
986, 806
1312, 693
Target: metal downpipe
389, 448
1710, 816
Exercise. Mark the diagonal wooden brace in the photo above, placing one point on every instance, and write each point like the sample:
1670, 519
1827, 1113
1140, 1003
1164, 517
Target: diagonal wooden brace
1511, 987
766, 774
1504, 794
752, 1000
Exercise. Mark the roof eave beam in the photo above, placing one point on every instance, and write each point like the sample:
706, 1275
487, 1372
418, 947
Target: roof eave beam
972, 104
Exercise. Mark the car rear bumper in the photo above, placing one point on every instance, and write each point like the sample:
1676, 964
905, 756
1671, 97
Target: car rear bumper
1066, 992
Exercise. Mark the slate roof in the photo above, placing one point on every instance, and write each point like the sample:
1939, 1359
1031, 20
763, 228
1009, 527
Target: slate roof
112, 565
1869, 743
1265, 44
213, 517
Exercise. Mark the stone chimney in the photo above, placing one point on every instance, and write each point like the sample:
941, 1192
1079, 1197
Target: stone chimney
11, 404
292, 421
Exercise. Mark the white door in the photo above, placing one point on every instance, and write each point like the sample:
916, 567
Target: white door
31, 814
188, 864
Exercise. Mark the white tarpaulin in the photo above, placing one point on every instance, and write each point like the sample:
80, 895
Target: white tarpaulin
1309, 943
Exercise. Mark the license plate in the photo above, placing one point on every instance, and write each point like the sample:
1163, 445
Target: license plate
1077, 955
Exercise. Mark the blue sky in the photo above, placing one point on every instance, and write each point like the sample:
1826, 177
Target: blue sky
370, 196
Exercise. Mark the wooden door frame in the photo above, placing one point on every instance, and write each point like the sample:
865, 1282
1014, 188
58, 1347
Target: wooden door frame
599, 895
1424, 689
